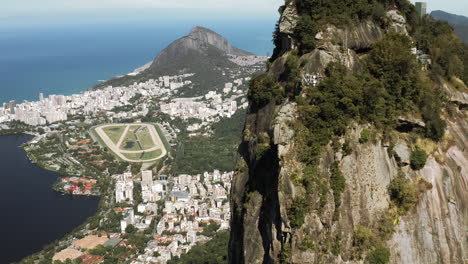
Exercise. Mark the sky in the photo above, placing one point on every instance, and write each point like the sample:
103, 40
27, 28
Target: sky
34, 11
457, 7
35, 7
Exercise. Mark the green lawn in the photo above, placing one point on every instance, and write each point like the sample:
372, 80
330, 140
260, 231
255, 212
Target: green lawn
145, 138
130, 141
93, 132
114, 133
144, 155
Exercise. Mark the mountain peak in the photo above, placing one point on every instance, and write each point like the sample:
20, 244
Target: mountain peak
202, 51
204, 36
197, 29
199, 41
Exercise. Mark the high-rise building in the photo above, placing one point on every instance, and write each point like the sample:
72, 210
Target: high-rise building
41, 97
421, 8
12, 106
147, 177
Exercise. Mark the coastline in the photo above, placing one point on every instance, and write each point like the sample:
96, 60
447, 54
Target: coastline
40, 202
33, 160
82, 226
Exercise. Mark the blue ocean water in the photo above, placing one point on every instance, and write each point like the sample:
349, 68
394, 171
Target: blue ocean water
55, 58
69, 58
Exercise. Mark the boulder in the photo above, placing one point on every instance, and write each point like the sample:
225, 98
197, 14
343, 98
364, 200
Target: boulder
402, 155
289, 19
398, 22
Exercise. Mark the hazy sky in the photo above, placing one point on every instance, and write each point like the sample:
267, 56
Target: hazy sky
25, 8
458, 7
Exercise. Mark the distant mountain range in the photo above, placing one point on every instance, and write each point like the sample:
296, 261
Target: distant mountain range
202, 52
460, 23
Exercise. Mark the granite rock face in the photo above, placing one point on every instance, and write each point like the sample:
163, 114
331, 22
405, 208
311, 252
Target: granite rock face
341, 45
199, 40
398, 22
435, 231
402, 155
289, 19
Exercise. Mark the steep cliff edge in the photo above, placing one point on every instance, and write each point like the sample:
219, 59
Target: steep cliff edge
351, 190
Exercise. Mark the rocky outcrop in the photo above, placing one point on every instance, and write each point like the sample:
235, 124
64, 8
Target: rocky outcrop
358, 38
397, 22
437, 231
458, 97
265, 187
402, 155
318, 60
341, 44
288, 22
200, 40
289, 18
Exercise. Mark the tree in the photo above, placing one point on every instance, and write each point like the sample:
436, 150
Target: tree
130, 229
298, 211
365, 136
212, 252
380, 255
262, 90
337, 183
418, 159
403, 194
392, 62
363, 238
305, 32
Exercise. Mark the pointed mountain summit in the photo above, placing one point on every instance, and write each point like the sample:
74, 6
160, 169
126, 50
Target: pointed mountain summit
200, 40
202, 52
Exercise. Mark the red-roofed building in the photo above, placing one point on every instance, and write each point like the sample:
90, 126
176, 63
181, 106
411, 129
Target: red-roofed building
120, 210
90, 259
83, 142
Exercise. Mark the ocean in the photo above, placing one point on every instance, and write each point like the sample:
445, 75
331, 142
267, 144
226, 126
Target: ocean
70, 58
54, 58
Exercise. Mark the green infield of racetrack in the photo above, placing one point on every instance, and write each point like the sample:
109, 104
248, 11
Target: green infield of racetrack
143, 156
114, 133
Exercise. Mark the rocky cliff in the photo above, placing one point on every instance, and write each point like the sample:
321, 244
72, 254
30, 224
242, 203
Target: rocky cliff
362, 222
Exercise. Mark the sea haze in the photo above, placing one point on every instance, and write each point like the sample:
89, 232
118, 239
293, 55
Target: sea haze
33, 215
70, 58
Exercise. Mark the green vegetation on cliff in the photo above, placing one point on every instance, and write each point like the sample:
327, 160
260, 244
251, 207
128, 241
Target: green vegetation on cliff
403, 193
418, 159
315, 13
263, 90
383, 83
380, 255
447, 52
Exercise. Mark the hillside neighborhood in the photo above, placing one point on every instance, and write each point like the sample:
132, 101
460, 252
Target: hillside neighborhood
174, 213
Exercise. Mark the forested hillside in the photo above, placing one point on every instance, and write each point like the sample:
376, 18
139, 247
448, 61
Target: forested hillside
460, 23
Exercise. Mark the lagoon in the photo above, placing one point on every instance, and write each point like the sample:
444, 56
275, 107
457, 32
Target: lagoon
32, 214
